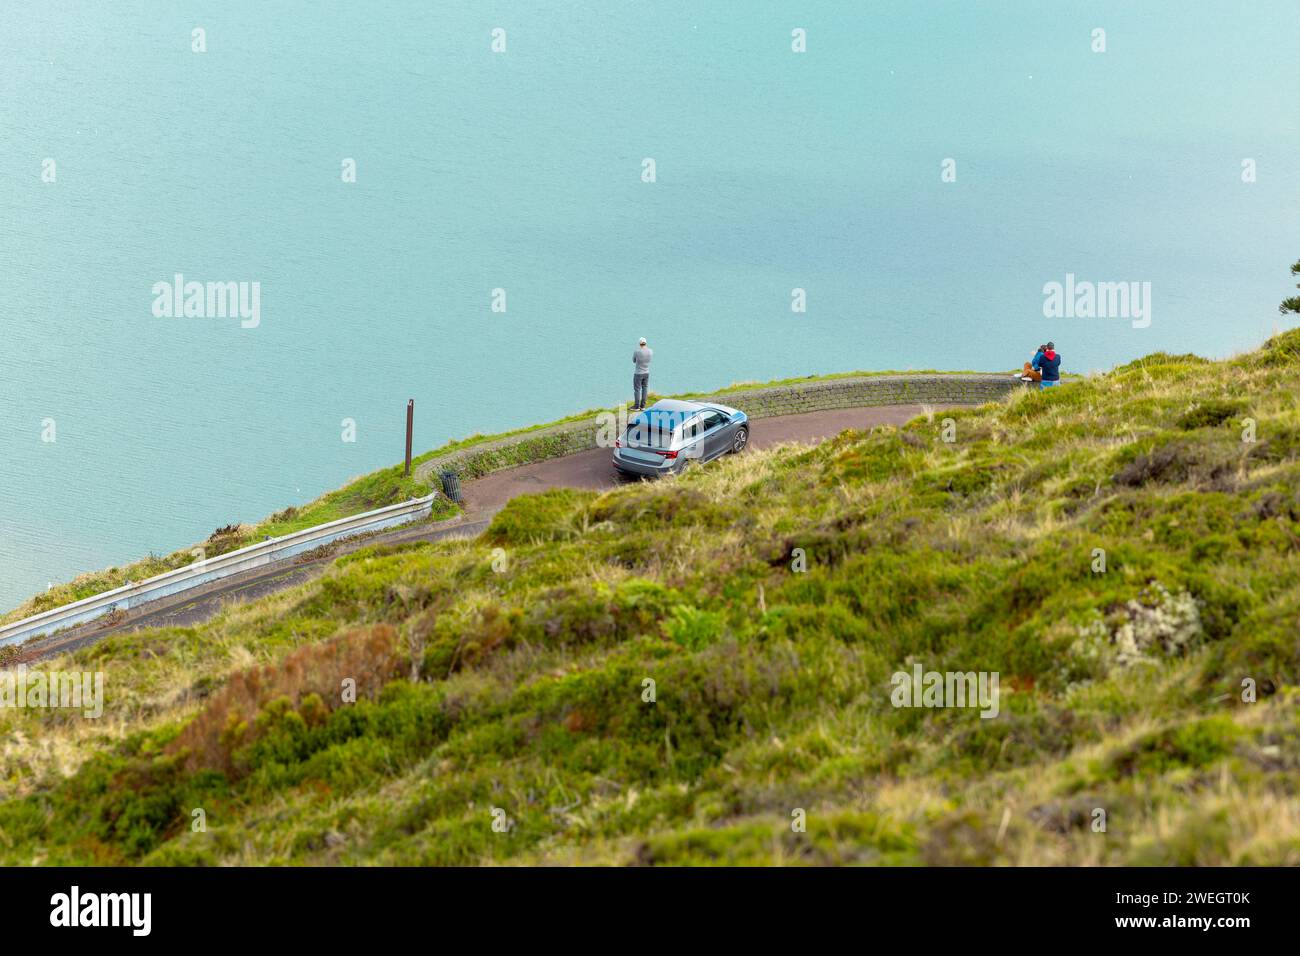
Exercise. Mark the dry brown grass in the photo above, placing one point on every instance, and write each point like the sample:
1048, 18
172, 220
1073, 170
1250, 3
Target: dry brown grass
370, 656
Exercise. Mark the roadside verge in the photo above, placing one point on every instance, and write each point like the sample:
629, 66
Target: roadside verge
207, 570
758, 402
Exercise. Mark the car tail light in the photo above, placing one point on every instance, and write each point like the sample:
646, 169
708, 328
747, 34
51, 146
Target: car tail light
667, 454
618, 443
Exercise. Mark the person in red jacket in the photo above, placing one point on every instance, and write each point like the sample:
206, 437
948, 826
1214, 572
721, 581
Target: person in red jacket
1048, 362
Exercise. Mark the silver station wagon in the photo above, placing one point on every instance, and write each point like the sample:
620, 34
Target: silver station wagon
669, 435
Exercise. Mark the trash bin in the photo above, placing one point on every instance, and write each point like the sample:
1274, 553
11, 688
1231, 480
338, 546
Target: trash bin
450, 485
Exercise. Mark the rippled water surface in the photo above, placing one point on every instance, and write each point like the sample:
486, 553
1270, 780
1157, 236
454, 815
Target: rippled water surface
522, 171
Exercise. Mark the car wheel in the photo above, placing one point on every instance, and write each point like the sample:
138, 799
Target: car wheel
738, 443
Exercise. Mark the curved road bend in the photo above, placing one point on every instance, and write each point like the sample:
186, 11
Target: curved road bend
483, 498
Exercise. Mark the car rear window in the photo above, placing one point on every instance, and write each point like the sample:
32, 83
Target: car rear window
655, 429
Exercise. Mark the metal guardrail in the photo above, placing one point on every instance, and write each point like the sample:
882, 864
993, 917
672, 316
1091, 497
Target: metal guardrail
206, 570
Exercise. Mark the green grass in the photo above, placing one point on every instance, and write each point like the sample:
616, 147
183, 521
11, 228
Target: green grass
374, 490
472, 441
647, 676
385, 487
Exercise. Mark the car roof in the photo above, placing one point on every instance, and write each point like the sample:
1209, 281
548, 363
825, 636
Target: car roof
676, 405
679, 406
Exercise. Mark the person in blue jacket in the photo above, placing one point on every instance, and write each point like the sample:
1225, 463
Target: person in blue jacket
1048, 362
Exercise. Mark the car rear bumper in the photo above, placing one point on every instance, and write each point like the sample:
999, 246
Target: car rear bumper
635, 466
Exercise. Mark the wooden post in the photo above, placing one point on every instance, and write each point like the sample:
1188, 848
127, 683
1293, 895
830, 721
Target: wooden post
410, 422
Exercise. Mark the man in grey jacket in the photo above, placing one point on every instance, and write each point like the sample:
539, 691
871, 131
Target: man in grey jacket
641, 375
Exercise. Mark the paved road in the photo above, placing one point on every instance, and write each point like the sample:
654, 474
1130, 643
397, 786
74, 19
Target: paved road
199, 604
483, 498
591, 469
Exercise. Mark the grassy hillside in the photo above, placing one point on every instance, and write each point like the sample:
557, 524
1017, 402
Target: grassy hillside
504, 679
386, 486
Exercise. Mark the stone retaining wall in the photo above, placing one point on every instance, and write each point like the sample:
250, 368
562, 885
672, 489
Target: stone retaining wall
757, 402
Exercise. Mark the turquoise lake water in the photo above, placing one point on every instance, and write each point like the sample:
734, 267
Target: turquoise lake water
522, 171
